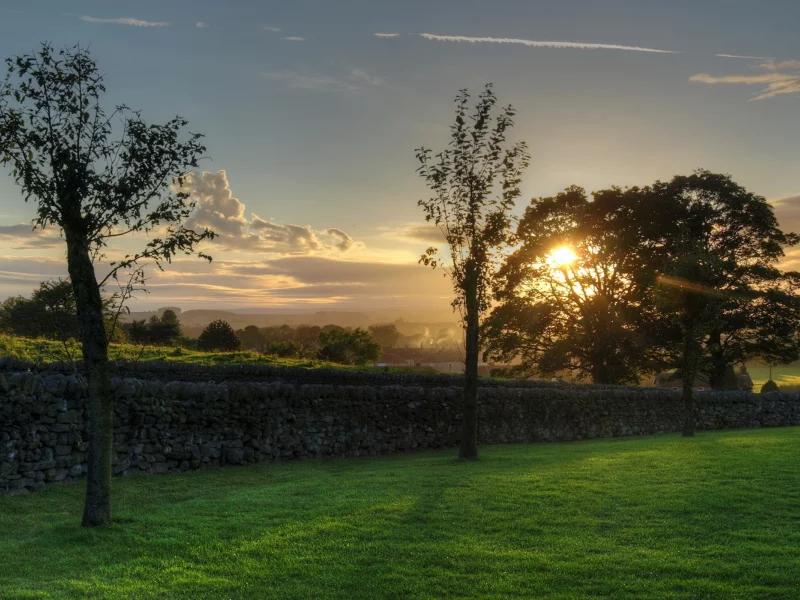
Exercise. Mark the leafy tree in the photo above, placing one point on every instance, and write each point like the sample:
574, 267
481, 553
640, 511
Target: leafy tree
96, 182
752, 306
251, 337
159, 330
574, 294
308, 338
219, 336
475, 182
356, 347
51, 313
385, 335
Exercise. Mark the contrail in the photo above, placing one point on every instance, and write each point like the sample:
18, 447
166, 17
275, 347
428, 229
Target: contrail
746, 57
541, 44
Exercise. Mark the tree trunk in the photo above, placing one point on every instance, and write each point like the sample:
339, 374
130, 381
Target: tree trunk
469, 436
97, 509
718, 377
690, 355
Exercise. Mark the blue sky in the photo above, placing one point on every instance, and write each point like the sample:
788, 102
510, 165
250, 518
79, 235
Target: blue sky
320, 132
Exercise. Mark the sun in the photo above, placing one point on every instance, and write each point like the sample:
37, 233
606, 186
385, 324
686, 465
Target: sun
561, 257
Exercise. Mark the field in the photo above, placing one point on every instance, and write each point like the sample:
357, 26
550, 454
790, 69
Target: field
717, 516
49, 351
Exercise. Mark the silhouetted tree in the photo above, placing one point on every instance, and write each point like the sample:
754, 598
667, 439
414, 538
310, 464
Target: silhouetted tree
385, 335
219, 336
584, 313
159, 330
251, 337
755, 313
475, 182
348, 347
60, 145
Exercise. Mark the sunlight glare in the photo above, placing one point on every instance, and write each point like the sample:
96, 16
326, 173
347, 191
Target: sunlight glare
561, 257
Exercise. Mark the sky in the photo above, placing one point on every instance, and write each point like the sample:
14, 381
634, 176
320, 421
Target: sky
312, 110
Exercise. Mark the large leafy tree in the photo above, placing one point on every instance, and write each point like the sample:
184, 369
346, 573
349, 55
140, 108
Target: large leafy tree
751, 306
475, 183
96, 176
574, 295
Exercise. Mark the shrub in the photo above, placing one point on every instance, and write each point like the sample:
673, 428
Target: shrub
770, 386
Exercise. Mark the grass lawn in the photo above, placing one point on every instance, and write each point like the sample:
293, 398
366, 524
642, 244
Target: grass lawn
717, 516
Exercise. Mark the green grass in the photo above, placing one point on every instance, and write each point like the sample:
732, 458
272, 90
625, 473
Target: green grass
717, 516
41, 350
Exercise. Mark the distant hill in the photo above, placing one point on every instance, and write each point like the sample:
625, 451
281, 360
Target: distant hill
408, 322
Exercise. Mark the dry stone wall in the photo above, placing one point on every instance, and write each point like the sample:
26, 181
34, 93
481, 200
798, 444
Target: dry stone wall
164, 426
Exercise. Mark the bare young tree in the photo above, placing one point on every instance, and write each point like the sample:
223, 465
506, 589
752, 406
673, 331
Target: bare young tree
96, 176
475, 183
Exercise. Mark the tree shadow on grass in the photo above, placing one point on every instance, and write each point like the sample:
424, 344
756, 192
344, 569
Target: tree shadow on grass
417, 525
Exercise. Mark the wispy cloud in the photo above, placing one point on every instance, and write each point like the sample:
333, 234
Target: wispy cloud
386, 35
126, 21
780, 66
272, 29
353, 81
294, 38
202, 25
746, 57
541, 44
782, 78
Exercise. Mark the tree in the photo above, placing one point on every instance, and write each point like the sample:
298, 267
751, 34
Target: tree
251, 337
219, 335
475, 182
159, 330
574, 294
751, 306
65, 153
385, 335
49, 313
354, 347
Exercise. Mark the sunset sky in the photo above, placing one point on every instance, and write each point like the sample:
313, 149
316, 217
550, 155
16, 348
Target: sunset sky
312, 120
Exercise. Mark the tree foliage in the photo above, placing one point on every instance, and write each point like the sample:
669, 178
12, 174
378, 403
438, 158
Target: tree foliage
582, 315
386, 336
161, 330
219, 336
475, 183
96, 176
348, 347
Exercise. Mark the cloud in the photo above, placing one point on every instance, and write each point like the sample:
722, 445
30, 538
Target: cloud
202, 25
781, 66
386, 35
24, 237
272, 29
414, 233
787, 210
747, 57
540, 44
218, 209
782, 78
126, 21
294, 38
352, 81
